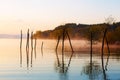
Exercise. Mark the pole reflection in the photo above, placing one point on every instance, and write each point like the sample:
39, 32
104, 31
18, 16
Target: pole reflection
62, 67
92, 70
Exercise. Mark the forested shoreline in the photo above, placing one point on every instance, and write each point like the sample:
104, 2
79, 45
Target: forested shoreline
82, 31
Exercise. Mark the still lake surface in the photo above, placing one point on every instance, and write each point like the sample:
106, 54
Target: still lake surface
48, 64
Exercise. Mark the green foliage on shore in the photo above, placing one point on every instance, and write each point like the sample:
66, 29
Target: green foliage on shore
82, 31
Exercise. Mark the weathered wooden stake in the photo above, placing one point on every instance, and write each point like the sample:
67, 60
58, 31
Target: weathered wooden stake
27, 48
58, 61
57, 43
91, 47
91, 64
64, 34
108, 53
102, 55
31, 48
21, 49
63, 37
35, 47
42, 48
69, 41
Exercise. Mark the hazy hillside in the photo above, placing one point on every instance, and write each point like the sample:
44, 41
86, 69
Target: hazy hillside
81, 31
11, 36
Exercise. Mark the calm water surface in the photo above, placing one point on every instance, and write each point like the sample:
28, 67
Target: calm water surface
48, 64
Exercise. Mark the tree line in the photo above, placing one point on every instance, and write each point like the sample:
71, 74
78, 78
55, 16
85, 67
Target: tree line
82, 31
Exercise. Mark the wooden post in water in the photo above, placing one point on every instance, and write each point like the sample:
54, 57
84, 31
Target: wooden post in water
27, 48
91, 64
63, 37
64, 34
58, 42
21, 49
91, 48
35, 47
69, 41
102, 54
42, 48
108, 53
31, 48
58, 61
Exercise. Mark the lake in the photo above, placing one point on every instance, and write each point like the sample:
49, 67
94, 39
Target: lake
47, 64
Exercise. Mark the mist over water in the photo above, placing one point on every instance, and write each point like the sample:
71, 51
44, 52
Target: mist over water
48, 64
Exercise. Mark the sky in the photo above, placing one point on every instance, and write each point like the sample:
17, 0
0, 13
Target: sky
16, 15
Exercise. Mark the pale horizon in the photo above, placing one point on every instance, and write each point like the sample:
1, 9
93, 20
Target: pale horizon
16, 15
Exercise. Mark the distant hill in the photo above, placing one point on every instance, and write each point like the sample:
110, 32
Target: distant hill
76, 31
10, 36
73, 30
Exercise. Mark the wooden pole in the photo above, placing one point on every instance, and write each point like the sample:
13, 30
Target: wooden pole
91, 48
102, 50
108, 53
57, 43
63, 37
27, 48
69, 41
21, 49
35, 47
91, 65
42, 48
31, 48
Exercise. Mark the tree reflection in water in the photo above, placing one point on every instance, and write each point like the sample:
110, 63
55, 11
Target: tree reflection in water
93, 70
62, 67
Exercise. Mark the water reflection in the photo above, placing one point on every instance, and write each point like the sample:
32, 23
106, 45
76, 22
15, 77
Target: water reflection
92, 70
63, 76
102, 54
42, 48
108, 53
103, 69
62, 67
116, 56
